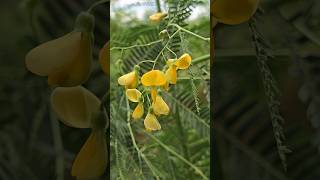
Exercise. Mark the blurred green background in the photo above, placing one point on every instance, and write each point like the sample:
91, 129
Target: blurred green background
244, 142
33, 143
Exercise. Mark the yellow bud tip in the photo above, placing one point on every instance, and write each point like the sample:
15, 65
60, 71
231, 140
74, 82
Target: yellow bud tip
157, 17
129, 80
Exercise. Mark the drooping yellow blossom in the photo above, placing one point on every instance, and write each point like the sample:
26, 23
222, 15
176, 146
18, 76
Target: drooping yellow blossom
157, 17
78, 107
104, 57
91, 161
130, 80
153, 79
151, 123
233, 12
74, 105
160, 107
138, 111
66, 60
171, 72
134, 95
184, 61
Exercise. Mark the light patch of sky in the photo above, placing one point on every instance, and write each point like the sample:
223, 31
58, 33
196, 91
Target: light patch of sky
139, 8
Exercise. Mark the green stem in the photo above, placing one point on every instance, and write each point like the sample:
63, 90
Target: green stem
165, 46
135, 46
140, 154
191, 33
158, 5
197, 170
201, 59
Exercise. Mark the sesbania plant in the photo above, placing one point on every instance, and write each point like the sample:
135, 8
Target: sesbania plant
156, 114
67, 62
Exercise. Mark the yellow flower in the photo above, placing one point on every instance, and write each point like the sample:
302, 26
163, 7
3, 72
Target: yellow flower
66, 60
104, 57
151, 123
184, 61
78, 107
138, 111
75, 105
134, 95
160, 107
233, 12
157, 17
153, 79
171, 73
130, 80
91, 161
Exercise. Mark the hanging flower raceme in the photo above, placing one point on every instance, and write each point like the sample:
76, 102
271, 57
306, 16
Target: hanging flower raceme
157, 17
131, 79
134, 95
233, 12
104, 57
183, 62
77, 107
153, 79
66, 60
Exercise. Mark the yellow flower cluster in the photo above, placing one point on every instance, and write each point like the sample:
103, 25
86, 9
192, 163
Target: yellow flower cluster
152, 81
233, 11
66, 62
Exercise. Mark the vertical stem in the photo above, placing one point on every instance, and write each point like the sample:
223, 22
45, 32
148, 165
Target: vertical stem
158, 5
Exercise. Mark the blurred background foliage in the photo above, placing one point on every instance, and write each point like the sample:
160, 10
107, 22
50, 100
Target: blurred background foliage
33, 143
180, 150
244, 143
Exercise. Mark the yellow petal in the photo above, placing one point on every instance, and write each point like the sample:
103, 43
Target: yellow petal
66, 60
233, 12
91, 162
160, 107
153, 78
184, 61
154, 94
133, 95
171, 74
151, 123
138, 112
157, 17
104, 57
129, 80
166, 86
75, 106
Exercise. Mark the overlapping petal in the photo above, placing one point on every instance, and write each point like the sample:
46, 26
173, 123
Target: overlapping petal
184, 61
129, 80
75, 106
91, 161
151, 123
66, 60
160, 107
133, 95
153, 78
138, 111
